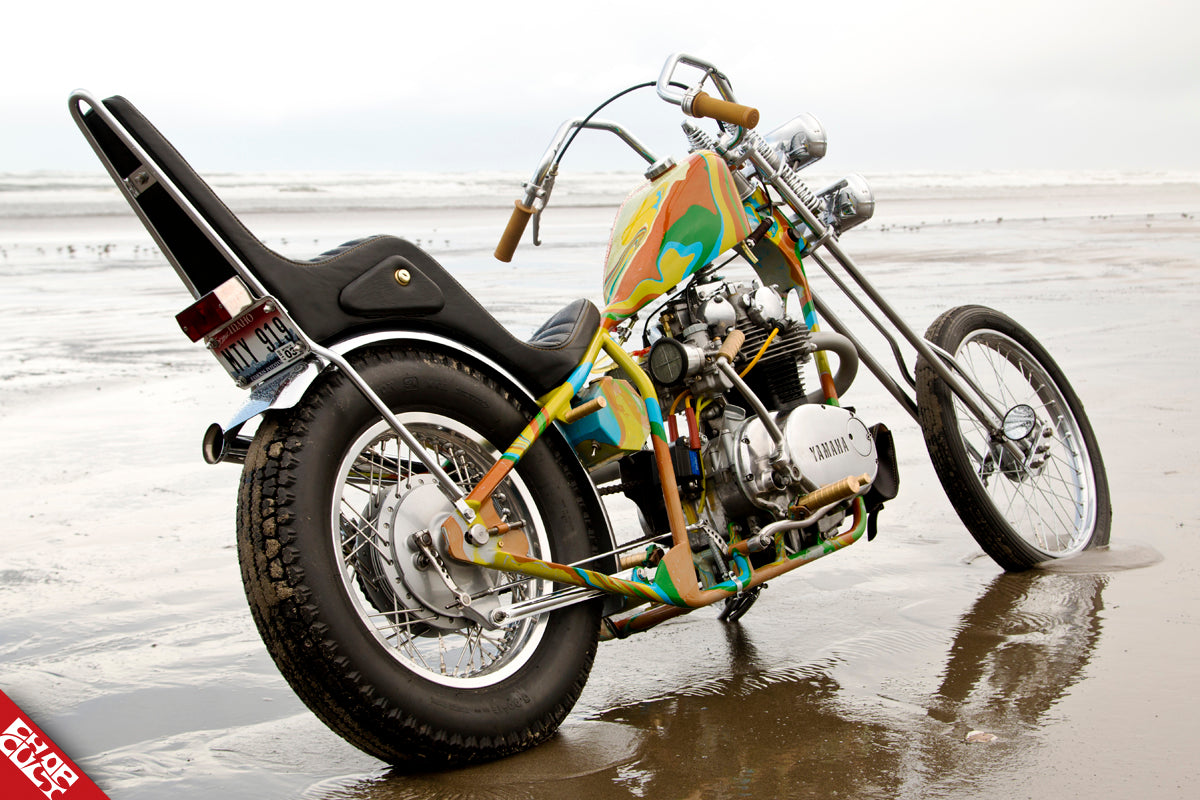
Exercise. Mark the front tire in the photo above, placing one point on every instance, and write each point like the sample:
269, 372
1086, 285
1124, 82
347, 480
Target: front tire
366, 634
1051, 503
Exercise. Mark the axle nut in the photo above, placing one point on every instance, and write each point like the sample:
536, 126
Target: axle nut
477, 535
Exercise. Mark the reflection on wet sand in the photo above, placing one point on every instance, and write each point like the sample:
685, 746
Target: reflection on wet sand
1023, 643
792, 732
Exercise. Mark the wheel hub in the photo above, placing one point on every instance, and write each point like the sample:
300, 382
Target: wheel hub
417, 506
1019, 422
1022, 427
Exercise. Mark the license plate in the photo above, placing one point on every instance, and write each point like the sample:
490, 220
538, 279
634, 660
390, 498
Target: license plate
257, 344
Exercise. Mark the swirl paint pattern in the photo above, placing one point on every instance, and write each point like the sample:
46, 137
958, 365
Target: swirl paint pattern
669, 228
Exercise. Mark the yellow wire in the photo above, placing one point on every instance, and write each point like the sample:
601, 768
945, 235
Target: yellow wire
742, 374
759, 354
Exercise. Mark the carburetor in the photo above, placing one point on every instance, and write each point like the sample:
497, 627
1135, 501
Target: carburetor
691, 324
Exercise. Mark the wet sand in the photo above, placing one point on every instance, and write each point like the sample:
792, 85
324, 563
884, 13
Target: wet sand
127, 638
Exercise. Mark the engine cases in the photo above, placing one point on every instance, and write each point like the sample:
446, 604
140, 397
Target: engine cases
821, 443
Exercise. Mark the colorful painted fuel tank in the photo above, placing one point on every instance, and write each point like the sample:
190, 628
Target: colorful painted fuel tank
669, 228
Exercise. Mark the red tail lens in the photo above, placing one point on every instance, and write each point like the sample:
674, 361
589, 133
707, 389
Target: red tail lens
214, 310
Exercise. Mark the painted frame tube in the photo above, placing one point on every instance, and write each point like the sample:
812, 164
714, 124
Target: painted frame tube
554, 405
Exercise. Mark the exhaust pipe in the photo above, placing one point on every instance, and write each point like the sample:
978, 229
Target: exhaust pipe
219, 445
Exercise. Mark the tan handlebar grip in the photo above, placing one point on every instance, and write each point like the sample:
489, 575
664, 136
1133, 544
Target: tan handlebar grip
732, 344
512, 232
704, 105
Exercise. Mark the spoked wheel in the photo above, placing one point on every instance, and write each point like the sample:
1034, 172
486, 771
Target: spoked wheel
1050, 498
377, 629
382, 498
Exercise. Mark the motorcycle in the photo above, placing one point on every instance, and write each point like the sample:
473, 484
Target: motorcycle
421, 526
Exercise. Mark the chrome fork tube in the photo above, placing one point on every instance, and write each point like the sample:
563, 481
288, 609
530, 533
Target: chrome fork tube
877, 369
984, 411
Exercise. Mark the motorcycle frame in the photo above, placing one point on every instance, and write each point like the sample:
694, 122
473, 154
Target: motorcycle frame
679, 588
678, 585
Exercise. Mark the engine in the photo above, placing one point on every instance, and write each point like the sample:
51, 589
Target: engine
689, 324
755, 441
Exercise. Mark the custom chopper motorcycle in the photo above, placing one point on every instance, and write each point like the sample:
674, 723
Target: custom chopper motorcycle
420, 526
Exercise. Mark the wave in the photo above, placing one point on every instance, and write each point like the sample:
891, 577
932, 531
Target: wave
65, 194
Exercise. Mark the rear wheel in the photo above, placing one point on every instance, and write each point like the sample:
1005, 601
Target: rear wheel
1051, 500
359, 620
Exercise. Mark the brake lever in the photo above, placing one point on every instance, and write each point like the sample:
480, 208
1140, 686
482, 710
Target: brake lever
543, 197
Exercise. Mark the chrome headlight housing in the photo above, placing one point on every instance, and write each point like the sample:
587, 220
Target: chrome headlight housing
848, 202
801, 141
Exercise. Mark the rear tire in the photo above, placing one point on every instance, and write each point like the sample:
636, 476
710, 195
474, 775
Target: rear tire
327, 503
1048, 505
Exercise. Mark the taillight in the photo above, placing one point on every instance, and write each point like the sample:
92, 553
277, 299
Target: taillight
214, 310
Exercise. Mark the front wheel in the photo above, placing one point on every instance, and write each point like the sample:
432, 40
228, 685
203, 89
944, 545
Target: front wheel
1050, 498
361, 621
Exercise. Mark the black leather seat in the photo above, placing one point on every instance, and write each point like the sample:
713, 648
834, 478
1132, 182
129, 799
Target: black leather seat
350, 290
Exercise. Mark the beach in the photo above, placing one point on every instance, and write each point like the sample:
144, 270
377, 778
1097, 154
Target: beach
127, 638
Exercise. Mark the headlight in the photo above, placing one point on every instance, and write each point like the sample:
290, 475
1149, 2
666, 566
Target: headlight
801, 140
848, 202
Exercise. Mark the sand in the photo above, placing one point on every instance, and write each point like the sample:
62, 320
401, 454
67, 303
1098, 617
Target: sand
125, 634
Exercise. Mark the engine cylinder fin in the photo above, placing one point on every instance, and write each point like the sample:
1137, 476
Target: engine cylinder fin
777, 378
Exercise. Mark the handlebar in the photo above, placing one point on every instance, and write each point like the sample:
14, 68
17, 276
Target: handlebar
692, 102
537, 190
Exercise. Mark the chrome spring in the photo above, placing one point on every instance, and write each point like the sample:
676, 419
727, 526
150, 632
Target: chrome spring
786, 174
697, 139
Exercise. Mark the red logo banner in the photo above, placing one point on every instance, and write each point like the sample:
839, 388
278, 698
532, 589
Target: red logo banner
32, 767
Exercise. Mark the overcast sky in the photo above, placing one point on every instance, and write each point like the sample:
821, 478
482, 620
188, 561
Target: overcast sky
356, 84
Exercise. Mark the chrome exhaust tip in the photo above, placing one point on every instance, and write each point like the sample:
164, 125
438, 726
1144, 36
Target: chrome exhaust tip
219, 445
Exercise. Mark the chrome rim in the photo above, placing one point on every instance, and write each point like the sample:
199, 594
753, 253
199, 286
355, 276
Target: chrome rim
1049, 495
382, 496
